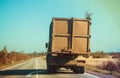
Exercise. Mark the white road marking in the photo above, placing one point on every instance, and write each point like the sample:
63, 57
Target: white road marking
30, 74
36, 68
34, 72
92, 76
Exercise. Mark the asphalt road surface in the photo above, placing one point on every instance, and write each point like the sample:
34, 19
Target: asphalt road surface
36, 68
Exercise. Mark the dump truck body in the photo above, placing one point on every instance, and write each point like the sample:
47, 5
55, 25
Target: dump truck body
69, 40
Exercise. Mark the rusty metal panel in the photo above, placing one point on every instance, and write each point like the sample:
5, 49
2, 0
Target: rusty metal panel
60, 27
80, 45
80, 28
70, 35
60, 43
60, 35
80, 36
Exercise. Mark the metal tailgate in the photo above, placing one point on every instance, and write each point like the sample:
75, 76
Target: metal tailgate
70, 36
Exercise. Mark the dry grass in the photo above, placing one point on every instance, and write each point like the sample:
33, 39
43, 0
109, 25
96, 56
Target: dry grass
96, 69
8, 65
98, 61
104, 65
109, 65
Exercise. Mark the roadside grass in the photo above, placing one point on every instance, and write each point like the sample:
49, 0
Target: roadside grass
8, 65
96, 69
2, 66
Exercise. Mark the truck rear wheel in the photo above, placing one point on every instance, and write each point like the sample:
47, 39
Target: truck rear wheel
82, 70
51, 69
79, 70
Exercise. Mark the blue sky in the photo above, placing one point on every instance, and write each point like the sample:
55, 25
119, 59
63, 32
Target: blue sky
24, 24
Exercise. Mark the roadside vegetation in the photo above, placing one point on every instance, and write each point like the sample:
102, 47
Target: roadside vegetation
111, 66
99, 54
9, 58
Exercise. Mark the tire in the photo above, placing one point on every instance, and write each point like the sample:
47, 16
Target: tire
82, 70
51, 69
79, 70
76, 70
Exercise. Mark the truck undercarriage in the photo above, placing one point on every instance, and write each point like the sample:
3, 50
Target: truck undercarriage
74, 62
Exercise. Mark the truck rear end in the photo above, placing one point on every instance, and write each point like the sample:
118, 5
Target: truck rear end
69, 40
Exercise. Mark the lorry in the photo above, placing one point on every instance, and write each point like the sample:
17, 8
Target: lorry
69, 44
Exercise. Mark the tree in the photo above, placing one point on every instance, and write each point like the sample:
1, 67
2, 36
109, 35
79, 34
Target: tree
5, 53
88, 15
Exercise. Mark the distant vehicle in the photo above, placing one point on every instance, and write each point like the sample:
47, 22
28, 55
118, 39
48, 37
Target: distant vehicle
69, 40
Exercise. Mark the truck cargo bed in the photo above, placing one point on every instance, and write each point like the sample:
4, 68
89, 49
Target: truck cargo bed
69, 36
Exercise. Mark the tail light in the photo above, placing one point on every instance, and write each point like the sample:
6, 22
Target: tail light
52, 60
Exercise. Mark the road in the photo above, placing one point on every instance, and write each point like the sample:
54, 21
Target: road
36, 68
